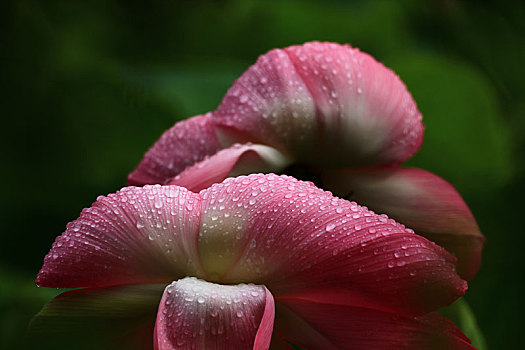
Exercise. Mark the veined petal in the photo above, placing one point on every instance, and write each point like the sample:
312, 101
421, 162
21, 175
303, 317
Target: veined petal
139, 234
422, 201
325, 103
365, 108
328, 326
235, 160
195, 314
301, 241
120, 317
269, 104
183, 145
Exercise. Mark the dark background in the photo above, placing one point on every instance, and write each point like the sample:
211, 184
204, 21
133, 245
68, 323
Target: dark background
87, 87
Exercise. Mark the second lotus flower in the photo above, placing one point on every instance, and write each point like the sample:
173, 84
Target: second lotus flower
327, 113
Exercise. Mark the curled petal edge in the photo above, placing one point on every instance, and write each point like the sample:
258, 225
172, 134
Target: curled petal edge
239, 159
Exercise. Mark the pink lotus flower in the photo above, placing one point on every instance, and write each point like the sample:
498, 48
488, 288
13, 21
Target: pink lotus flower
330, 112
252, 262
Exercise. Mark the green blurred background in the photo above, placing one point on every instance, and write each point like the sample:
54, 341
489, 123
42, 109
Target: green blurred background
87, 87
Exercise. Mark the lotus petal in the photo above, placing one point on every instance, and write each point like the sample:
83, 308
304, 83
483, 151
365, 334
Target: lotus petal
329, 326
137, 235
202, 315
183, 145
326, 104
120, 317
235, 160
422, 201
301, 241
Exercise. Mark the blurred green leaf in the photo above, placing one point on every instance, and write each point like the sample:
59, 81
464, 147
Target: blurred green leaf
20, 299
466, 139
184, 89
461, 314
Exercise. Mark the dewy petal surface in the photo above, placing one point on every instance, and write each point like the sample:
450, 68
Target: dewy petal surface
183, 145
422, 201
302, 242
326, 326
325, 103
139, 234
269, 104
235, 160
195, 314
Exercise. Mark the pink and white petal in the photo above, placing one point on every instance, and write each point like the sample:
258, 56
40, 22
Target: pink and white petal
120, 317
195, 314
186, 143
139, 234
421, 200
269, 104
328, 326
301, 241
325, 103
233, 161
366, 110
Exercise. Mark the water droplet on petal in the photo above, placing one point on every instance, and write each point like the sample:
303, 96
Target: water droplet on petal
330, 227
